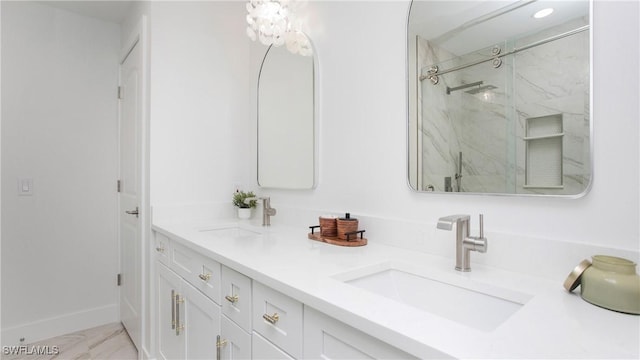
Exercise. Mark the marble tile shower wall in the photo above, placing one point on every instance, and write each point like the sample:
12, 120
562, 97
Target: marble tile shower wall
544, 85
483, 127
439, 142
530, 84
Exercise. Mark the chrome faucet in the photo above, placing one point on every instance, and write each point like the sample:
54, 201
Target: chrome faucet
464, 243
267, 210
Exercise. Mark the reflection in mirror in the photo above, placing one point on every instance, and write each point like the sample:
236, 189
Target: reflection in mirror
499, 100
286, 120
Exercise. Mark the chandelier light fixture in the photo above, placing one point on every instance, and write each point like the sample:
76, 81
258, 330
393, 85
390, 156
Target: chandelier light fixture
273, 22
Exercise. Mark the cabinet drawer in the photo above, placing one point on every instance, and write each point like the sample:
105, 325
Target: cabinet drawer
328, 338
235, 343
161, 243
236, 297
263, 349
278, 318
201, 272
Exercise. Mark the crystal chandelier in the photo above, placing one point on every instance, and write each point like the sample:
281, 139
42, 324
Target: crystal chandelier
273, 22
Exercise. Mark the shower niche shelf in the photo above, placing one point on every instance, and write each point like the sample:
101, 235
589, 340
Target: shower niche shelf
543, 157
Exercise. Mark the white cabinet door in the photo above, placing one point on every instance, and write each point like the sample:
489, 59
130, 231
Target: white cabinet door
188, 321
327, 338
170, 344
235, 343
201, 323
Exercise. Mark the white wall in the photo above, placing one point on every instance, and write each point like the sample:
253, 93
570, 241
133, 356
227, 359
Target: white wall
199, 105
361, 49
59, 126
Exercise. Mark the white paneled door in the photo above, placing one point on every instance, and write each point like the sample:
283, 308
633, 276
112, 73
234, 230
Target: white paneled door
130, 188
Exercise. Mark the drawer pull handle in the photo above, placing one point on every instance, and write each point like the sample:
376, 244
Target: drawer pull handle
179, 327
272, 319
219, 345
173, 309
232, 299
160, 249
204, 277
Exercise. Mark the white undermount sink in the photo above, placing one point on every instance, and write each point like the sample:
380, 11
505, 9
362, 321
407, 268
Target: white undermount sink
231, 231
456, 298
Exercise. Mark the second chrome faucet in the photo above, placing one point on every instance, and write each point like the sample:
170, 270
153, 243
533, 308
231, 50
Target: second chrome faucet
464, 242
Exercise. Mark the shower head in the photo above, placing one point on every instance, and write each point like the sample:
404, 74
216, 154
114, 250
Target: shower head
463, 86
477, 86
480, 89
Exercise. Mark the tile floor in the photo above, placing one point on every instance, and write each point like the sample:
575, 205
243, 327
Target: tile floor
109, 341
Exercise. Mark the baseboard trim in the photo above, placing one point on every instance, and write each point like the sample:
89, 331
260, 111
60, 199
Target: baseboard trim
146, 355
60, 325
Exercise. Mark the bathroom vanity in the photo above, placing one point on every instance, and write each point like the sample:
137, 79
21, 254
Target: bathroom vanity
234, 290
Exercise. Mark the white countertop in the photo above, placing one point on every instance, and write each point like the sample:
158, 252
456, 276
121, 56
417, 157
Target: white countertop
552, 324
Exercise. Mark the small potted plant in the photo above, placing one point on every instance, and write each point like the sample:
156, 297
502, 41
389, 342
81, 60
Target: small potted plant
244, 208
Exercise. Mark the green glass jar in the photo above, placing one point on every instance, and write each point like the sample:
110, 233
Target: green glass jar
612, 283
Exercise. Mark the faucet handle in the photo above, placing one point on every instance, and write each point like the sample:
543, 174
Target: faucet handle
478, 243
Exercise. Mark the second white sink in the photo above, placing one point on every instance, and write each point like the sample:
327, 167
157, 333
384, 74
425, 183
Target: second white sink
470, 303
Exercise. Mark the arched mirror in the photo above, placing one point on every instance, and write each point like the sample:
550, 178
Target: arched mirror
287, 120
499, 97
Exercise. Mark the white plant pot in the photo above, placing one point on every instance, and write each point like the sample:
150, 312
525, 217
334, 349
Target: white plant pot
244, 213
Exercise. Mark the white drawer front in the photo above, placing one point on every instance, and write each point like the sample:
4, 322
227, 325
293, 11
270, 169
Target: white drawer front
328, 338
201, 272
263, 349
278, 318
182, 261
235, 343
236, 297
162, 248
208, 273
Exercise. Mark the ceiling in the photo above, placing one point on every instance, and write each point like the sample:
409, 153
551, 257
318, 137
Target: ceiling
113, 11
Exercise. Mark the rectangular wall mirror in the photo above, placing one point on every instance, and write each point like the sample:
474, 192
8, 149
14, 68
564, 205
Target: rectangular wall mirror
287, 120
499, 97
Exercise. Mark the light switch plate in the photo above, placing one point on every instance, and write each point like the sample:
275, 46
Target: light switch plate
25, 186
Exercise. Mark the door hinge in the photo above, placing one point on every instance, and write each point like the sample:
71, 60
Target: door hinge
120, 93
119, 279
119, 185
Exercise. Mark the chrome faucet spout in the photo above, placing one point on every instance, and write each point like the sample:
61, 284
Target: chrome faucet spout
464, 243
267, 210
447, 222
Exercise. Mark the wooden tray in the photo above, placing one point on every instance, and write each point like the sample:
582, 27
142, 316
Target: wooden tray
339, 242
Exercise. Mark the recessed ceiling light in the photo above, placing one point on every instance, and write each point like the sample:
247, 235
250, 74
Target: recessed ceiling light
543, 13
